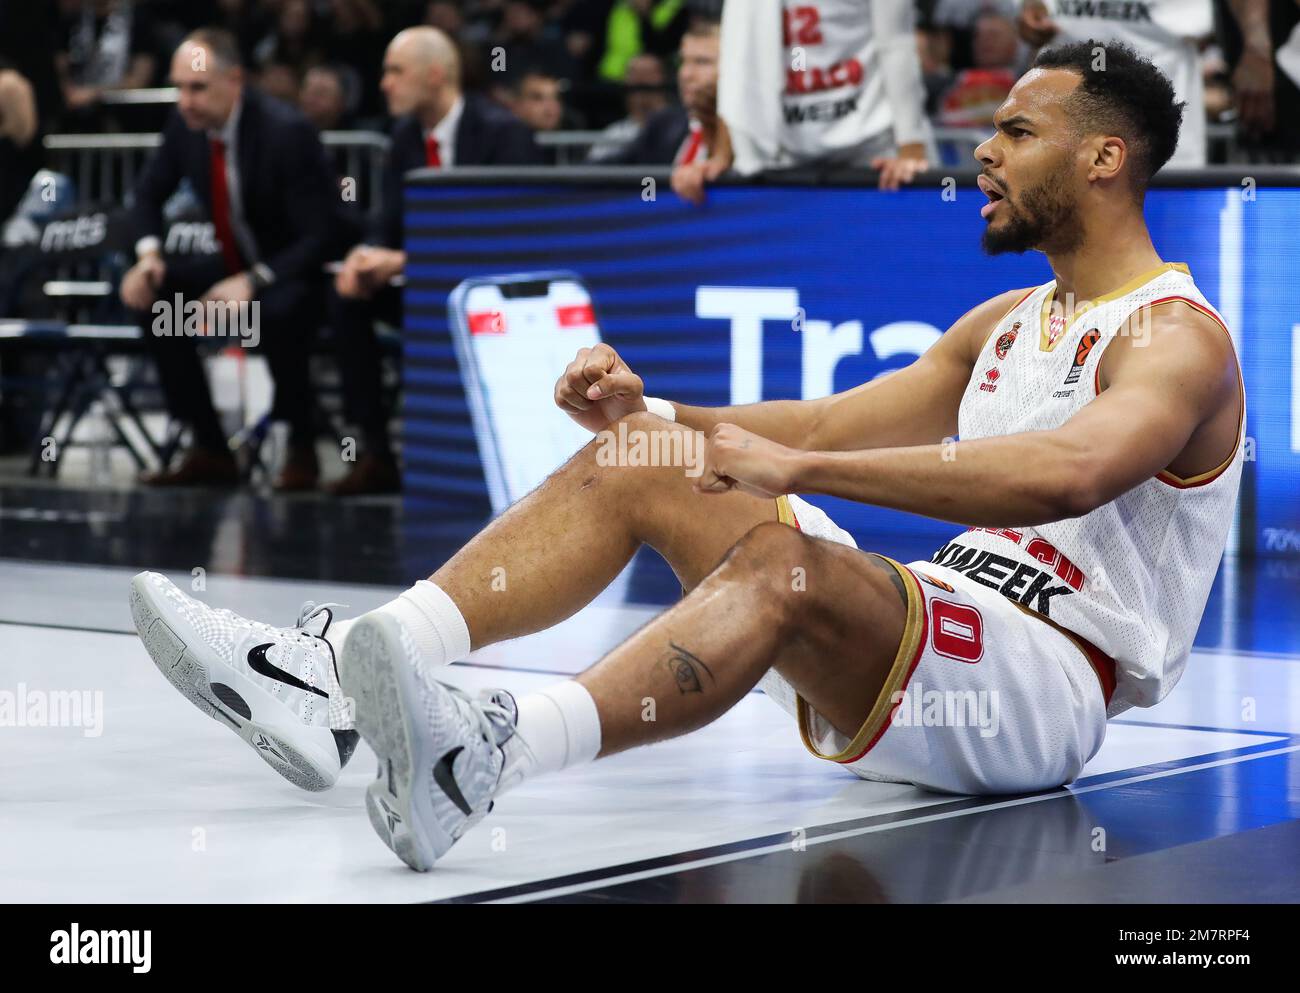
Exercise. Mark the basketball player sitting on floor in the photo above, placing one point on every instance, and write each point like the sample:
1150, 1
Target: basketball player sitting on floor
1101, 420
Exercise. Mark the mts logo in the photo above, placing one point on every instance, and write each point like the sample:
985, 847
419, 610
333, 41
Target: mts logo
824, 344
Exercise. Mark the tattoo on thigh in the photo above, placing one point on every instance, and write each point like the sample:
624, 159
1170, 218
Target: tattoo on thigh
686, 669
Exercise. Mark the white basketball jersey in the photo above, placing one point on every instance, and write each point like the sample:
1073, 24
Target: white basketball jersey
1132, 576
837, 99
836, 102
1164, 31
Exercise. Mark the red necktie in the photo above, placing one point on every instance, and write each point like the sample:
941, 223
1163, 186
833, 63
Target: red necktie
693, 146
432, 152
221, 208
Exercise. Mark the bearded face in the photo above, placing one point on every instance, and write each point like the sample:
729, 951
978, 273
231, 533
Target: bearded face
1034, 216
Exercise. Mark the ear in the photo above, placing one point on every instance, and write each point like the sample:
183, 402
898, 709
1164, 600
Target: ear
1109, 155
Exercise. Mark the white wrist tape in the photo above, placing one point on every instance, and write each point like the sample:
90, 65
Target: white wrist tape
661, 407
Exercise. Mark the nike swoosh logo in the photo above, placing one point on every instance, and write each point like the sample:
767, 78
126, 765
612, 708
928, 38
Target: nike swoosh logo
442, 775
258, 662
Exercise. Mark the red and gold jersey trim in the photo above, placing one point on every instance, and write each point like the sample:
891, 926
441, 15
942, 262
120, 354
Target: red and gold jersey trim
1046, 342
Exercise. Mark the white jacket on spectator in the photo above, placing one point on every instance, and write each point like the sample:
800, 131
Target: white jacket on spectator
1164, 31
805, 81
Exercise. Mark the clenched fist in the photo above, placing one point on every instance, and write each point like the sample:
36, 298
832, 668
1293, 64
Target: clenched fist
736, 459
598, 388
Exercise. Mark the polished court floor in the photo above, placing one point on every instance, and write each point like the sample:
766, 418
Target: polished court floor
1197, 799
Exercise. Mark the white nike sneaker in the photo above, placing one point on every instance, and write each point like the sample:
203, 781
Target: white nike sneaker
441, 754
269, 685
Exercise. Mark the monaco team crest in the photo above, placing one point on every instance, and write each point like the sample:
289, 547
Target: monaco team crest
1006, 341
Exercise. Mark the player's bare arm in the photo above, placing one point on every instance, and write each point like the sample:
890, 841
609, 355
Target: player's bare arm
1170, 401
912, 406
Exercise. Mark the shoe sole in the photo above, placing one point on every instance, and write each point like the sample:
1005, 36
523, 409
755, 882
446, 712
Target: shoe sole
185, 672
373, 671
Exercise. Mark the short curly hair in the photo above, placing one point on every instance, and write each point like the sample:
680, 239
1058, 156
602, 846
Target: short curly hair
1122, 94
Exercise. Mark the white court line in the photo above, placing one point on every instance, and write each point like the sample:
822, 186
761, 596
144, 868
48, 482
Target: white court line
702, 863
1199, 650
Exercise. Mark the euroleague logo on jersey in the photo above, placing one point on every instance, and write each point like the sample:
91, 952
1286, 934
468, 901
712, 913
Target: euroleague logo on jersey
1081, 353
1006, 341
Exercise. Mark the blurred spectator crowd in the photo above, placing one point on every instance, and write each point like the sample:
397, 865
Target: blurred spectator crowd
326, 55
557, 64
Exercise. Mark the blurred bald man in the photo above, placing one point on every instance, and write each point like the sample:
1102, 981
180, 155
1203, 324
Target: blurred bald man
258, 167
437, 126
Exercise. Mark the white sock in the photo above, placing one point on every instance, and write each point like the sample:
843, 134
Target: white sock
433, 621
558, 727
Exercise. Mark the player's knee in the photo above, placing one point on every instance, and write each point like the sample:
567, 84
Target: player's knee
774, 554
766, 541
646, 440
639, 451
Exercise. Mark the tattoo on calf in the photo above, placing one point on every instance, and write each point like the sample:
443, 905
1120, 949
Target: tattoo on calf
686, 669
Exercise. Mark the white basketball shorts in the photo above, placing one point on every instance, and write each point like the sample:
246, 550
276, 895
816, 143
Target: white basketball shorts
984, 696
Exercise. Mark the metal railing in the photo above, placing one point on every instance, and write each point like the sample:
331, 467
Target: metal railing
104, 167
573, 147
144, 96
956, 144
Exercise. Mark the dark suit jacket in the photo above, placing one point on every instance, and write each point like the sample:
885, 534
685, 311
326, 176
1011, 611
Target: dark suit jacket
659, 140
28, 41
29, 37
289, 198
486, 136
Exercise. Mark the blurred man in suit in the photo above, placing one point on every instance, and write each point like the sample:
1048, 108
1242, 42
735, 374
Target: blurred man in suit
259, 168
645, 93
685, 134
438, 126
